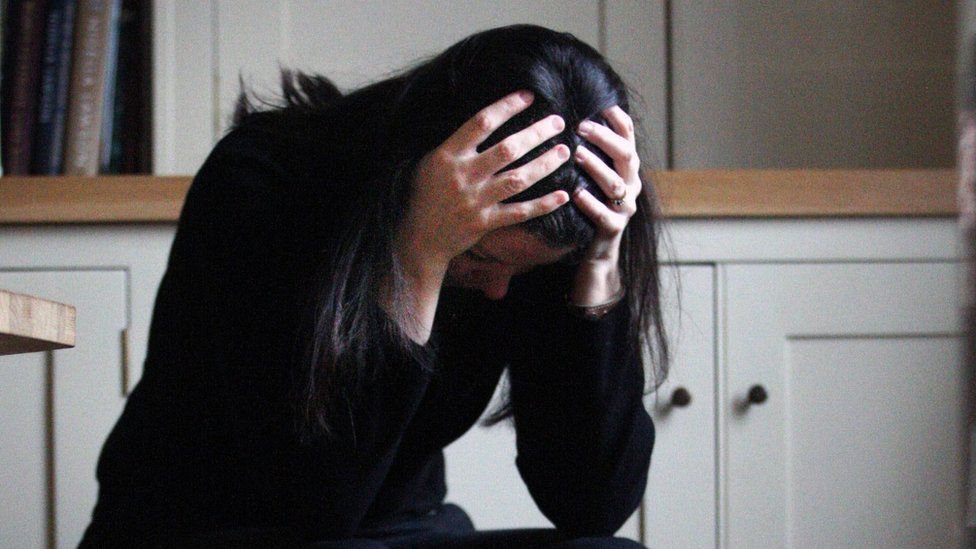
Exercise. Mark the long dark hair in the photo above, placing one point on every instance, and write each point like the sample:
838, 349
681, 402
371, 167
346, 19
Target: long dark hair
411, 113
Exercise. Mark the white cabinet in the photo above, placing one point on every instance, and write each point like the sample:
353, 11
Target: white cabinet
859, 441
57, 408
850, 327
680, 502
55, 414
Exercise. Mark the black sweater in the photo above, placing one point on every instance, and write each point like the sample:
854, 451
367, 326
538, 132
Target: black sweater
207, 438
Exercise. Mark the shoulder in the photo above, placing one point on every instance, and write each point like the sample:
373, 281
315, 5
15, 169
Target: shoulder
278, 152
252, 197
265, 162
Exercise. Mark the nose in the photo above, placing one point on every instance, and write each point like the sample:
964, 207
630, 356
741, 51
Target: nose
496, 286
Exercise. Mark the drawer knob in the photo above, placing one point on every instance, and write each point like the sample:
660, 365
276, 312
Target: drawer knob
757, 394
680, 397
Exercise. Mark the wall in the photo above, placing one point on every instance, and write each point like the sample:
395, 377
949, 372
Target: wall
816, 84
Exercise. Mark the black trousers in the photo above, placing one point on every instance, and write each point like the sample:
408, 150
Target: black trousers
449, 528
452, 528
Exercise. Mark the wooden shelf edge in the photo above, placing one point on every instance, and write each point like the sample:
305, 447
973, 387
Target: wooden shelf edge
683, 194
101, 199
807, 193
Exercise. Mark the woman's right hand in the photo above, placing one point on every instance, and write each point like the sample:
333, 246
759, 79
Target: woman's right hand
457, 195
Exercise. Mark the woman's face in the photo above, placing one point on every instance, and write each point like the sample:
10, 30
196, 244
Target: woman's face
501, 254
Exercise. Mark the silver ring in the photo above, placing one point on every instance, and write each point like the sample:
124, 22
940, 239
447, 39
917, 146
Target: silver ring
618, 202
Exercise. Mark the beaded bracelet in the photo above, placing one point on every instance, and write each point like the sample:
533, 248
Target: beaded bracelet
595, 312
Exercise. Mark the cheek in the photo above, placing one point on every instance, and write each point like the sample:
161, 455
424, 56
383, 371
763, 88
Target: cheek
460, 273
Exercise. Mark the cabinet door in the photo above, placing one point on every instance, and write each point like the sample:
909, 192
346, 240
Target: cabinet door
860, 440
812, 84
680, 501
56, 410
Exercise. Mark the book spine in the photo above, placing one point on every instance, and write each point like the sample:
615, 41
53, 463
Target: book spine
49, 136
138, 147
20, 99
87, 87
123, 98
4, 34
108, 100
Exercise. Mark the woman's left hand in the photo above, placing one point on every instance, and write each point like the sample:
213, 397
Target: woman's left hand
598, 276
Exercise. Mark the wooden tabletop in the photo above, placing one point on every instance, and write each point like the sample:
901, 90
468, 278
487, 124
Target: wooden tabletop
683, 194
29, 324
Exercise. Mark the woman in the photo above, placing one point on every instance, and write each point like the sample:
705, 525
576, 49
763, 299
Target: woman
350, 277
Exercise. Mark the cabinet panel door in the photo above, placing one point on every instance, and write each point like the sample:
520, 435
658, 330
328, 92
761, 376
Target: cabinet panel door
680, 501
860, 441
56, 411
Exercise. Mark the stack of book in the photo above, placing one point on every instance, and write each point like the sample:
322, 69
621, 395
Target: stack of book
74, 87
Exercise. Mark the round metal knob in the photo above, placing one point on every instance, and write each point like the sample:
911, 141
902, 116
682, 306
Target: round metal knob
680, 397
757, 394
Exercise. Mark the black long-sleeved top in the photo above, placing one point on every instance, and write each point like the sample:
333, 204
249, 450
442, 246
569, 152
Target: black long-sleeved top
207, 438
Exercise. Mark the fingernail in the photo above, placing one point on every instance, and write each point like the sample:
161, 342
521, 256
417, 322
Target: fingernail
579, 155
526, 95
558, 123
585, 127
563, 152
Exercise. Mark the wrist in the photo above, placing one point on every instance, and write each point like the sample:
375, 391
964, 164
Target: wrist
416, 261
595, 283
414, 303
597, 311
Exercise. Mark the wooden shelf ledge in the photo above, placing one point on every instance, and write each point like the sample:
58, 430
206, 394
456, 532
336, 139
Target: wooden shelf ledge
808, 193
684, 194
29, 324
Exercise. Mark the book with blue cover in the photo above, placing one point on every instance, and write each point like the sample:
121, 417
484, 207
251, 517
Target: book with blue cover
48, 147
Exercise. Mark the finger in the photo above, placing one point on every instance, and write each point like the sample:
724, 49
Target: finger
621, 122
606, 219
503, 215
609, 181
477, 128
616, 146
512, 182
511, 148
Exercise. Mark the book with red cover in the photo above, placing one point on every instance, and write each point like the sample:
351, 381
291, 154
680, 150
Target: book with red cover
21, 68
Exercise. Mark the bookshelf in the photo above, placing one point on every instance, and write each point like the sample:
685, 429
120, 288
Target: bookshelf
76, 93
26, 200
724, 193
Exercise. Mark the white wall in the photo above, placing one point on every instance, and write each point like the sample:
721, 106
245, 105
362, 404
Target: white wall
817, 84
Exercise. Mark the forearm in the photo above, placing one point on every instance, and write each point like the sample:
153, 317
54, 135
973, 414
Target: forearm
595, 284
413, 303
578, 386
584, 439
